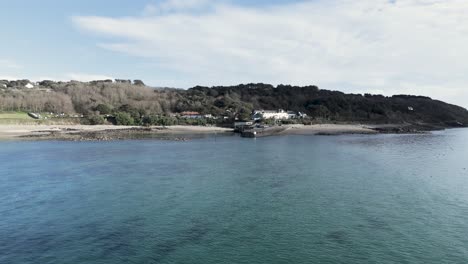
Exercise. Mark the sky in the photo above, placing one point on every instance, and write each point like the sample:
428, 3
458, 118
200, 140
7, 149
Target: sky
368, 46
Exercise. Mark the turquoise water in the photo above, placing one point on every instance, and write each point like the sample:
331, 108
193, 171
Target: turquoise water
289, 199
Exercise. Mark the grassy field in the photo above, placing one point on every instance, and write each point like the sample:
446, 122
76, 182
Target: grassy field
15, 115
16, 118
22, 118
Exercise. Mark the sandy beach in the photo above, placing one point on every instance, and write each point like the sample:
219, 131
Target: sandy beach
106, 132
61, 131
328, 129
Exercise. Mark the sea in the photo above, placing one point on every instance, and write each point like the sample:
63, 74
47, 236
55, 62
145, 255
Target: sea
226, 199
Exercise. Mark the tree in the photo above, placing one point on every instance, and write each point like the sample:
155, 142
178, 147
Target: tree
138, 82
103, 109
124, 119
153, 120
87, 98
150, 120
135, 113
96, 120
245, 114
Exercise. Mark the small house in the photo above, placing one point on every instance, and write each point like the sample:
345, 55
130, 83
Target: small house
292, 115
191, 115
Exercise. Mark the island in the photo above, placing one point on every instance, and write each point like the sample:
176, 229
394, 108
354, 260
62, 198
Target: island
120, 109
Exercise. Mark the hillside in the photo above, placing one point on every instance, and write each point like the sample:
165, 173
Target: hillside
124, 96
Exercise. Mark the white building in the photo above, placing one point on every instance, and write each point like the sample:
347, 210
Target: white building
29, 86
242, 124
292, 114
270, 114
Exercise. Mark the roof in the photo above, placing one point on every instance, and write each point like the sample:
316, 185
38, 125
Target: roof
190, 113
269, 111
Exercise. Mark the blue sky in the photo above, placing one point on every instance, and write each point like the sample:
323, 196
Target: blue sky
378, 46
43, 42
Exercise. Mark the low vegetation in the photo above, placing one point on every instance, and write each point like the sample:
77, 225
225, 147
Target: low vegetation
15, 116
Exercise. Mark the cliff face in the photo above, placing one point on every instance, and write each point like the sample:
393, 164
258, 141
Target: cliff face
125, 96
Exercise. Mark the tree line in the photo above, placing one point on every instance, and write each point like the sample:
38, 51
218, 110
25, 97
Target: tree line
135, 103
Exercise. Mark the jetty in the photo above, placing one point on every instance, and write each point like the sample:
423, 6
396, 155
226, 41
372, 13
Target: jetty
263, 131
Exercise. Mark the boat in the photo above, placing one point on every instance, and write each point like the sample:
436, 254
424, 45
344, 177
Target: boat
34, 115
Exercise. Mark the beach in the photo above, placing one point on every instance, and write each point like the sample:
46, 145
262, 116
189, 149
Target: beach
98, 132
109, 132
329, 129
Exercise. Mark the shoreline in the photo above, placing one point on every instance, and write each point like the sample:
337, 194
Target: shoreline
328, 129
111, 132
101, 132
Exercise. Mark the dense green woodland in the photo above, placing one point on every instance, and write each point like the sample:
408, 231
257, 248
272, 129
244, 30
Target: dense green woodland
123, 98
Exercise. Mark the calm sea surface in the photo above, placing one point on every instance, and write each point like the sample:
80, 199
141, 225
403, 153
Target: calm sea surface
289, 199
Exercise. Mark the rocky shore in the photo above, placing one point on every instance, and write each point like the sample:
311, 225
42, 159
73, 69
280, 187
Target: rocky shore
103, 133
184, 133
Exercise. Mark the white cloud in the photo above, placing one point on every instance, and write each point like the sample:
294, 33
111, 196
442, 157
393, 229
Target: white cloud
175, 6
9, 64
8, 77
411, 46
83, 77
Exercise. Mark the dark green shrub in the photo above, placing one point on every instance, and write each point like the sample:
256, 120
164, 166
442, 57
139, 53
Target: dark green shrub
154, 120
103, 109
124, 119
149, 120
138, 82
96, 120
